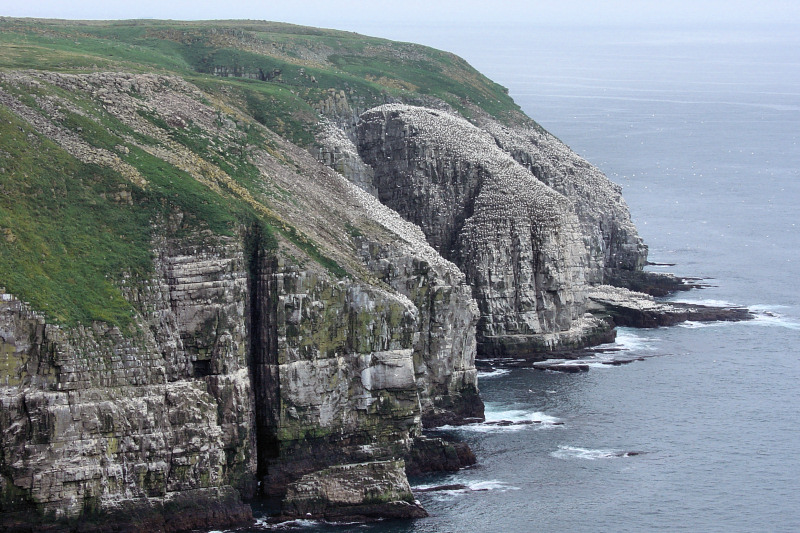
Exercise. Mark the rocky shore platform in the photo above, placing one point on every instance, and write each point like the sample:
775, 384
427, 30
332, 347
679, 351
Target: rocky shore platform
361, 492
373, 490
624, 307
639, 310
657, 284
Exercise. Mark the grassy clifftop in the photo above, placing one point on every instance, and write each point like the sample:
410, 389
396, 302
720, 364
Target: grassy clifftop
303, 65
197, 130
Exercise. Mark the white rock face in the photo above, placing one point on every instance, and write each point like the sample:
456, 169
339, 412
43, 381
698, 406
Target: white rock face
389, 370
361, 490
608, 233
340, 153
518, 241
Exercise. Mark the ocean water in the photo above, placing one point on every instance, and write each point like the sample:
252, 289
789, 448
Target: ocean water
701, 128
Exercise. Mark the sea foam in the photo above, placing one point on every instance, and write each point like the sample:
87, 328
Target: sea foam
494, 373
499, 419
575, 452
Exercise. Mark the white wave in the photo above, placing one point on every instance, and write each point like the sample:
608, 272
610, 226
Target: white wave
629, 340
690, 324
299, 523
500, 420
574, 452
597, 364
494, 414
708, 302
494, 373
464, 488
429, 486
469, 486
775, 320
490, 485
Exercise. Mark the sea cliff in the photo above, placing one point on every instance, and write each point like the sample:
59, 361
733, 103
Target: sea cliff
252, 260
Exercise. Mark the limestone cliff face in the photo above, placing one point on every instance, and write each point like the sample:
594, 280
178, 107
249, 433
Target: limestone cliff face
97, 421
239, 375
445, 348
338, 151
518, 241
338, 382
250, 362
608, 233
288, 320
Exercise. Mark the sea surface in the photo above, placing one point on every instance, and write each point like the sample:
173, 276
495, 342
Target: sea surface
700, 127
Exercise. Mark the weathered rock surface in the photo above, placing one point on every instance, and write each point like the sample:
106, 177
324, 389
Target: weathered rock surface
652, 283
639, 310
445, 351
96, 424
518, 240
300, 351
365, 491
610, 237
431, 454
338, 152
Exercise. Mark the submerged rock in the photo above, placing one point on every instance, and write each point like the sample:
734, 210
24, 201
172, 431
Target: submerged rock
443, 488
561, 366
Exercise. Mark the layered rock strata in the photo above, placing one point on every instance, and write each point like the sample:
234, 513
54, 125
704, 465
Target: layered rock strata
96, 423
361, 492
250, 363
611, 240
299, 352
433, 454
519, 242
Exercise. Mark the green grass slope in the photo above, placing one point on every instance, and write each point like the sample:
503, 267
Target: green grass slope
311, 63
73, 229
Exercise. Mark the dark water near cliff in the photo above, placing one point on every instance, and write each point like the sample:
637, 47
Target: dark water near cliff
701, 129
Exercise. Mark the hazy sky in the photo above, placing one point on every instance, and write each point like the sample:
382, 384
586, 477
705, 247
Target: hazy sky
354, 15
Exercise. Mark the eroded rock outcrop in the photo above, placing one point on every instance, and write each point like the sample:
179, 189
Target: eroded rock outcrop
266, 326
518, 241
100, 423
365, 491
611, 239
639, 310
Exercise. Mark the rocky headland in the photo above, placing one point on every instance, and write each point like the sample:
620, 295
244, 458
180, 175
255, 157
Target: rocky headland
267, 279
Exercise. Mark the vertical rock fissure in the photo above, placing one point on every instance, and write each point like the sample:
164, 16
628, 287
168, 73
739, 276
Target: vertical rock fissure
263, 340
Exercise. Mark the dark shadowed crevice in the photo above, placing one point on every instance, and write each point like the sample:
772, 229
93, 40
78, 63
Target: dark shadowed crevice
202, 368
263, 340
